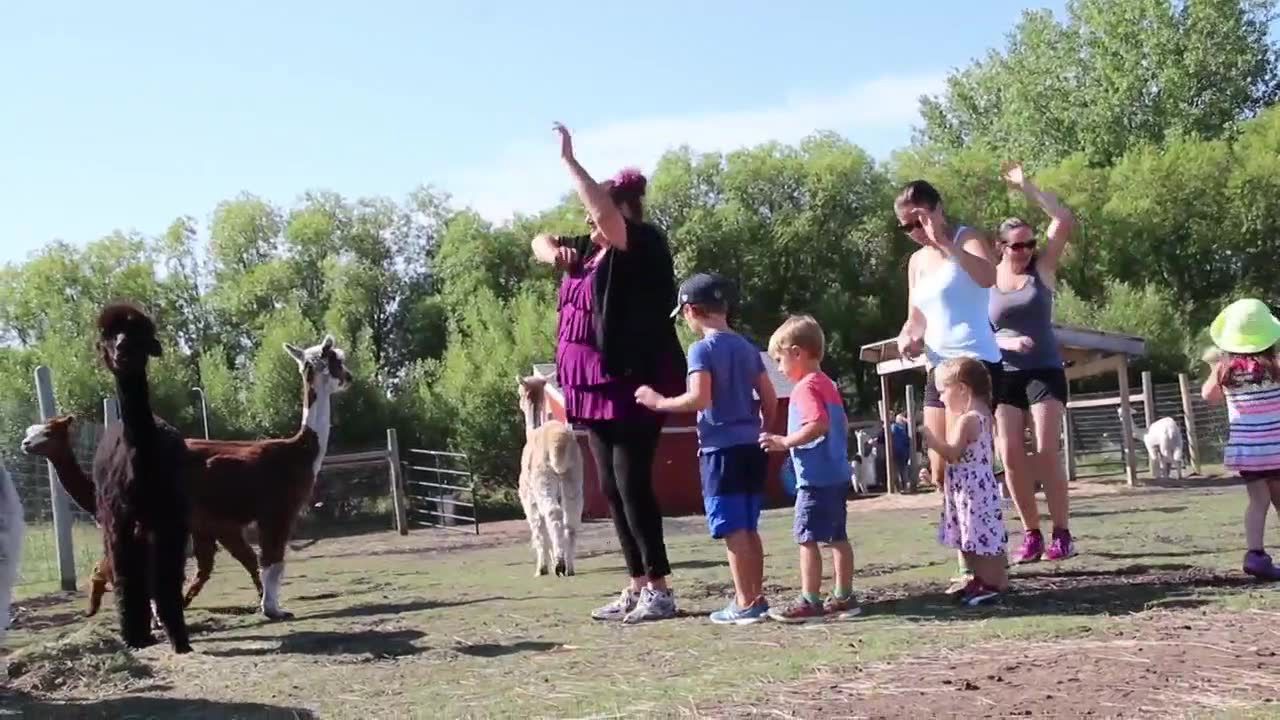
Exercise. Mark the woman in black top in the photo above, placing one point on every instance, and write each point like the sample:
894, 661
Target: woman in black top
615, 334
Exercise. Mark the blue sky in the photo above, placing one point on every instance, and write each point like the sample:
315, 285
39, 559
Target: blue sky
127, 115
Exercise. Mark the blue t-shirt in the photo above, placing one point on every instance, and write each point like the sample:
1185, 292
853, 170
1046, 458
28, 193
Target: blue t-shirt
825, 461
734, 416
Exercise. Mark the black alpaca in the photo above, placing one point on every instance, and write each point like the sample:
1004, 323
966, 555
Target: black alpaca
142, 505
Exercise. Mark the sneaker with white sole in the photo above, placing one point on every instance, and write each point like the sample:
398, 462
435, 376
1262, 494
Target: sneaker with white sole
734, 615
652, 605
618, 609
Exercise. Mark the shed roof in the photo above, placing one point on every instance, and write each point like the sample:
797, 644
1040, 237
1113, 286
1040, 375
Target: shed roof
1084, 351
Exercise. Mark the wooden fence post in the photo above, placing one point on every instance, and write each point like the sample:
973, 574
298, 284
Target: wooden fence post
398, 500
1149, 413
891, 473
1069, 440
913, 471
1189, 417
1126, 423
60, 501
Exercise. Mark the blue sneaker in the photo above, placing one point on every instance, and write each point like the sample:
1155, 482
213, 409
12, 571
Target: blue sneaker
734, 615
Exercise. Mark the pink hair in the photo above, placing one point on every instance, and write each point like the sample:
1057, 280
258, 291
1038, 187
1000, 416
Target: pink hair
629, 182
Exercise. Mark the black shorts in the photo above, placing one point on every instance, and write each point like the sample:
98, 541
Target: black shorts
1024, 388
933, 400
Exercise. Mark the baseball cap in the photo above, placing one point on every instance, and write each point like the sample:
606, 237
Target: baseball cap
702, 289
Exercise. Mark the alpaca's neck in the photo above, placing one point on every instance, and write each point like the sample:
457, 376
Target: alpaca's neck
530, 418
316, 417
135, 406
71, 475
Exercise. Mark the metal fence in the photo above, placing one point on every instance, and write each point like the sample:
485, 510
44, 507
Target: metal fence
39, 569
440, 490
1097, 431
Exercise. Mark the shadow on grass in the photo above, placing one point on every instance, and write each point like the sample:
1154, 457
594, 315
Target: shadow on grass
376, 643
1085, 592
28, 706
493, 650
1167, 510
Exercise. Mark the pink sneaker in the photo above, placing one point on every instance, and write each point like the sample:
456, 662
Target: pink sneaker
1258, 564
1032, 548
1062, 547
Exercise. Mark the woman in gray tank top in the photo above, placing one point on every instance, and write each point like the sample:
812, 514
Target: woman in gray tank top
1033, 386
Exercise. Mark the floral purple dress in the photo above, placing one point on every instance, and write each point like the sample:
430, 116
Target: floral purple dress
590, 394
972, 520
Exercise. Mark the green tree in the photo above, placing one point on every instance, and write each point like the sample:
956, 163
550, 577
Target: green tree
1115, 74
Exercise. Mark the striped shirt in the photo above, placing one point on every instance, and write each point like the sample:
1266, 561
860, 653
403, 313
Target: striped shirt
1254, 412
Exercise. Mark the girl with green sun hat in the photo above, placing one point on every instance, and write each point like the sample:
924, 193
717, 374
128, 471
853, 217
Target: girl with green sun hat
1245, 373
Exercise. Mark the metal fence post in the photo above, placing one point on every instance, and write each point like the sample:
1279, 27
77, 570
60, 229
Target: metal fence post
58, 497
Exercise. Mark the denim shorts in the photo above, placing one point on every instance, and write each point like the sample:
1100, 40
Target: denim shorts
821, 514
733, 488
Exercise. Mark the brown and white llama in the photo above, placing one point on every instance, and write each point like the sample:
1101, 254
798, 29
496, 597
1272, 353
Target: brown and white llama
267, 482
52, 441
141, 499
550, 483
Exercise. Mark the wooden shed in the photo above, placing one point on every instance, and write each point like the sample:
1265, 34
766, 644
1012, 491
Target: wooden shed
1086, 353
675, 471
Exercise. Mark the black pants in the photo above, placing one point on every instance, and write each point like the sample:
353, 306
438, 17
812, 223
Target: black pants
623, 452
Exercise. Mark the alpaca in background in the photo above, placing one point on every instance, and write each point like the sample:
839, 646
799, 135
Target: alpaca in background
550, 483
1163, 441
266, 482
141, 502
12, 529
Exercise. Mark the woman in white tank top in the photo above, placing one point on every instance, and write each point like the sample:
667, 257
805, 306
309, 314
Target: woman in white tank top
949, 280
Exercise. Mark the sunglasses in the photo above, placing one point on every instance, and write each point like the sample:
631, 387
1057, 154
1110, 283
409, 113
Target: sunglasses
1024, 245
908, 227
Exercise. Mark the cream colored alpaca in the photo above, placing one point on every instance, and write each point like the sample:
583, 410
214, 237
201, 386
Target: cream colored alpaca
550, 483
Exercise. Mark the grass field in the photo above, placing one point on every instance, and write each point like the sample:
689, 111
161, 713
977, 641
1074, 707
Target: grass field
1153, 619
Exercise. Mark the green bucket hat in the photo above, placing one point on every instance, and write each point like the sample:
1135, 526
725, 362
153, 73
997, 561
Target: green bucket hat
1245, 326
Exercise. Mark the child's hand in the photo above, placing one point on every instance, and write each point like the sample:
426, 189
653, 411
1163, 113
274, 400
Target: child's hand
648, 397
772, 443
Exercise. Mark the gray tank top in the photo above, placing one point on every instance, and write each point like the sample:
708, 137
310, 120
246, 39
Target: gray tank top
1027, 311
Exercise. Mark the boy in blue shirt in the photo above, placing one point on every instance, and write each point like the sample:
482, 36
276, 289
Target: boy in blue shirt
724, 370
817, 432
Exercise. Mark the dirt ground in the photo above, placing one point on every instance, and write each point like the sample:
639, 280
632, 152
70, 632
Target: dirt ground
1166, 665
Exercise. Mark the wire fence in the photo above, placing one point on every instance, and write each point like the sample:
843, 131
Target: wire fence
1098, 434
39, 569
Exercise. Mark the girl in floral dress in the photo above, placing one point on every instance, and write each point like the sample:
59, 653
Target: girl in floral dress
971, 518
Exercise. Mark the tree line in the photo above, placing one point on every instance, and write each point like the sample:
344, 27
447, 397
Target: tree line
1151, 119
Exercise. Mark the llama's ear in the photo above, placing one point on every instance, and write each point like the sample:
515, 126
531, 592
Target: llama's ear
328, 343
294, 353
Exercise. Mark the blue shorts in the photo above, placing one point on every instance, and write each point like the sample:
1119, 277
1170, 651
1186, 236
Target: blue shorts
733, 488
728, 514
821, 514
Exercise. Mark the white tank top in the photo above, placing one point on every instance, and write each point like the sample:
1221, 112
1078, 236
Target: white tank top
955, 308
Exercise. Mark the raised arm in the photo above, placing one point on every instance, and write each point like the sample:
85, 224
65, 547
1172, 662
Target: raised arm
968, 249
1061, 221
594, 196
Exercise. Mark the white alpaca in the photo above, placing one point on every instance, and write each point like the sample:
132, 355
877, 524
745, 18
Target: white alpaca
12, 528
1163, 441
858, 474
550, 483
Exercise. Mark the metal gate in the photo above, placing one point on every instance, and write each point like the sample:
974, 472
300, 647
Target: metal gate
441, 491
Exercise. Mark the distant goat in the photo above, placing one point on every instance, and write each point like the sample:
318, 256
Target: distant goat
551, 469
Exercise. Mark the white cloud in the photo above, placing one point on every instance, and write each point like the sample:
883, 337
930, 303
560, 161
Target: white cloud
526, 176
